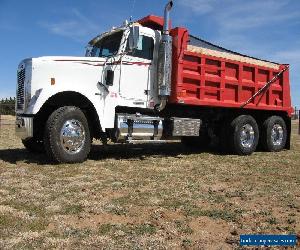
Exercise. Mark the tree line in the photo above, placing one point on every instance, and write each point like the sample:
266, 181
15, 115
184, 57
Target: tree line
7, 106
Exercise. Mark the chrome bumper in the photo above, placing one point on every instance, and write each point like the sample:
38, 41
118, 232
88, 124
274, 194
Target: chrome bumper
24, 127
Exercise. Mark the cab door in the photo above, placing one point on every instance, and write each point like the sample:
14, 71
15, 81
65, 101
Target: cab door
136, 75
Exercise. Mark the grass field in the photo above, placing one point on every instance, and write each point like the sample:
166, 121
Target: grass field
145, 196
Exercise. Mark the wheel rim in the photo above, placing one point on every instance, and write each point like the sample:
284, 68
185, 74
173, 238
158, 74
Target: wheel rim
72, 136
247, 136
277, 135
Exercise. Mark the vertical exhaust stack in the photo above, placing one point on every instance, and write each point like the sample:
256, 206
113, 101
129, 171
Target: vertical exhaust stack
167, 17
164, 71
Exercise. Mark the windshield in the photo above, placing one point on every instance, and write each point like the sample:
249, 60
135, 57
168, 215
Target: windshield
107, 46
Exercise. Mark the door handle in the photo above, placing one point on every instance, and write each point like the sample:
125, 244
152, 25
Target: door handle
138, 103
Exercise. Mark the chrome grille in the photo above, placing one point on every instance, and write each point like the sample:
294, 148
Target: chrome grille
20, 90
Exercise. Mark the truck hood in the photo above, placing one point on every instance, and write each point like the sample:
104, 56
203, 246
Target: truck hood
50, 75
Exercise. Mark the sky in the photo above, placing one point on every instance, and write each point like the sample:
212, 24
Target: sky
268, 29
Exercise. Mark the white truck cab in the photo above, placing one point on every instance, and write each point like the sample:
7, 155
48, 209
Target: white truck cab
110, 75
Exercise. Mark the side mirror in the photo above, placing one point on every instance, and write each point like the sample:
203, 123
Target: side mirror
133, 38
109, 78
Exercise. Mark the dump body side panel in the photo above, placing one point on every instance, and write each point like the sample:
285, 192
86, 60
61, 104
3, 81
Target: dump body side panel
210, 80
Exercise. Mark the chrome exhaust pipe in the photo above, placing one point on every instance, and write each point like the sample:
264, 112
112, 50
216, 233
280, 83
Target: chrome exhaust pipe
167, 17
164, 71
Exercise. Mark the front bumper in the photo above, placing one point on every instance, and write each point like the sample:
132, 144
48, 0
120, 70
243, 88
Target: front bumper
24, 127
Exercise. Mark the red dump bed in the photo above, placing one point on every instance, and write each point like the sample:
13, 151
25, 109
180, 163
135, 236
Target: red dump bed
212, 76
219, 81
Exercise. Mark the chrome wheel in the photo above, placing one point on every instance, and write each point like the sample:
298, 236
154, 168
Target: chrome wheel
277, 135
247, 136
72, 136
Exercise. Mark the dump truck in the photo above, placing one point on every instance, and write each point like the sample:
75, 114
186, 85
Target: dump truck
147, 82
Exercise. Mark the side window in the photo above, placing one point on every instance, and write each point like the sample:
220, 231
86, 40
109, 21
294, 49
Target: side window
144, 49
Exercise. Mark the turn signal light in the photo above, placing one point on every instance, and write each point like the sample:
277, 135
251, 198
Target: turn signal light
52, 81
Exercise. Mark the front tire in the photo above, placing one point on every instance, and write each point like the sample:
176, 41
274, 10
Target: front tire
67, 136
274, 134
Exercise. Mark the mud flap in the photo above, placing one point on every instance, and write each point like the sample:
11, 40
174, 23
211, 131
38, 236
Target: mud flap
288, 123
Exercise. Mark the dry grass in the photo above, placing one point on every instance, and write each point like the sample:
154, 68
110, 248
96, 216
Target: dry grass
8, 118
145, 196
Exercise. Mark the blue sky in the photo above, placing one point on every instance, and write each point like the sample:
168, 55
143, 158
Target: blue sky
268, 29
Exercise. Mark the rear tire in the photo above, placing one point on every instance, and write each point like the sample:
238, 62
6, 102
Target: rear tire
67, 136
34, 145
241, 135
274, 134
